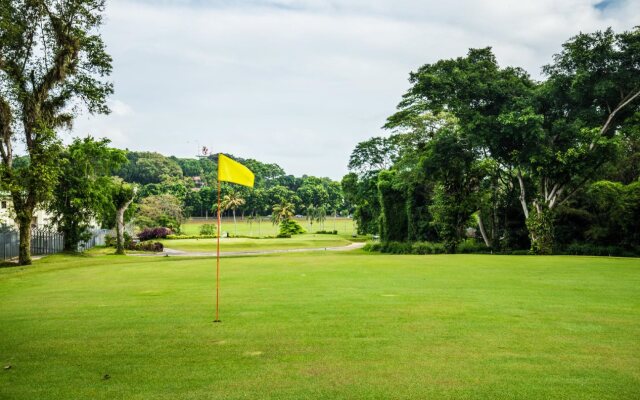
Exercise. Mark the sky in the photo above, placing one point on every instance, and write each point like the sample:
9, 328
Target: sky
301, 82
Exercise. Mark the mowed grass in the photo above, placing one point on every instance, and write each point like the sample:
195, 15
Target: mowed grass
322, 325
264, 227
305, 241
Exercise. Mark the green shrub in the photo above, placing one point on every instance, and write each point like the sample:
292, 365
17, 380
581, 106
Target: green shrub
146, 246
422, 248
372, 246
472, 246
283, 236
110, 240
208, 230
588, 249
290, 227
327, 232
396, 247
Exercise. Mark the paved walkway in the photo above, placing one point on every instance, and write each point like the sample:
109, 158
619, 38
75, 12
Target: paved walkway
172, 252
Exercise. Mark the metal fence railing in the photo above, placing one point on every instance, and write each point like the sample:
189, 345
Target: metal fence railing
45, 242
98, 238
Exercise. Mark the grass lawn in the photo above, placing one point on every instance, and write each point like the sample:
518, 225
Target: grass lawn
322, 325
246, 227
304, 241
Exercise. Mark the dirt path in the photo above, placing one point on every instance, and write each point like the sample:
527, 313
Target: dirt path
179, 253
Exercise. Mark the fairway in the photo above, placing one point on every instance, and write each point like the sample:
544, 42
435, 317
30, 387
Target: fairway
264, 227
305, 241
323, 325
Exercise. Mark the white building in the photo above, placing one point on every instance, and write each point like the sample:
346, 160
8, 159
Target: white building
41, 219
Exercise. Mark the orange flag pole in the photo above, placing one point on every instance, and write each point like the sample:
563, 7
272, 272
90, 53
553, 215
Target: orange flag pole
218, 262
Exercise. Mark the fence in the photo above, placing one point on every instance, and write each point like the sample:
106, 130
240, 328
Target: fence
45, 242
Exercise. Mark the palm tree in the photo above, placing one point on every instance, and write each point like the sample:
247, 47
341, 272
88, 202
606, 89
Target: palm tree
311, 215
231, 202
282, 212
321, 216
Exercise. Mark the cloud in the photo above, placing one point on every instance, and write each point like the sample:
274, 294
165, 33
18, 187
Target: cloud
300, 82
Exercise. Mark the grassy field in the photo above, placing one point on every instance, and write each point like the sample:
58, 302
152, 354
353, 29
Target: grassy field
322, 325
264, 227
304, 241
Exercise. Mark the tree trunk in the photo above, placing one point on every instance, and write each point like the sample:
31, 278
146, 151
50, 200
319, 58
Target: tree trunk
120, 227
235, 224
24, 254
487, 242
120, 230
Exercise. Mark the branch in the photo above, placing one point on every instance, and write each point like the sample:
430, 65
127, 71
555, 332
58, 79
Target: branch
623, 103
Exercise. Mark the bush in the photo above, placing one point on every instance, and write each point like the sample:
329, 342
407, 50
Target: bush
472, 246
422, 248
372, 246
396, 247
283, 236
327, 232
154, 233
588, 249
110, 240
209, 230
406, 247
290, 227
428, 248
147, 246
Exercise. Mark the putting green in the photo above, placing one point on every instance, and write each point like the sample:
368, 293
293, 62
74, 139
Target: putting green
322, 325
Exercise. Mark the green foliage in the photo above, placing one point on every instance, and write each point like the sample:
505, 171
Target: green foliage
393, 218
162, 210
82, 192
290, 227
112, 241
470, 245
209, 229
405, 247
540, 225
146, 167
282, 212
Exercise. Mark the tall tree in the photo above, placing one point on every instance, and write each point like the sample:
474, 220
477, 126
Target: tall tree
122, 195
51, 62
83, 189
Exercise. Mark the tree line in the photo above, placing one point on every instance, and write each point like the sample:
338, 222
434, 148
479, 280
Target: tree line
486, 151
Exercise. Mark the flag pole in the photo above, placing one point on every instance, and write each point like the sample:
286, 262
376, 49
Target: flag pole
218, 260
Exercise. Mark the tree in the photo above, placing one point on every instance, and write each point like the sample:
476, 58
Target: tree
375, 154
282, 212
122, 195
231, 202
83, 189
51, 61
160, 210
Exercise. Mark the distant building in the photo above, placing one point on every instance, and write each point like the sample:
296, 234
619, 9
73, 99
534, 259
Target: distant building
197, 181
41, 218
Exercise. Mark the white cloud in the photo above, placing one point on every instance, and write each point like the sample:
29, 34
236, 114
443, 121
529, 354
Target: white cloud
300, 82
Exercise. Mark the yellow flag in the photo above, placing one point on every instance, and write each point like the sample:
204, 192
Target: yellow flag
232, 171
